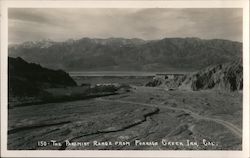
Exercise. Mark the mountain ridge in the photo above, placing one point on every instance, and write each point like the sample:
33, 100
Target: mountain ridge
222, 77
121, 54
26, 78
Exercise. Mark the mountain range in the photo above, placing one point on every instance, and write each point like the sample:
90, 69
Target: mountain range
120, 54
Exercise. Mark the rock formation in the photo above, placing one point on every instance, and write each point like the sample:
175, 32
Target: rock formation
29, 79
226, 77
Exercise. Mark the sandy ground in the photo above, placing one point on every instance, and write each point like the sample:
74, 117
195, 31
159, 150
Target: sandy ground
145, 118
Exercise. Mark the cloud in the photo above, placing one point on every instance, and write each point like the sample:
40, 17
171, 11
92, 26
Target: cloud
27, 24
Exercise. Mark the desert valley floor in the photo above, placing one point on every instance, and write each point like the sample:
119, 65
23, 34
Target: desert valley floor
138, 119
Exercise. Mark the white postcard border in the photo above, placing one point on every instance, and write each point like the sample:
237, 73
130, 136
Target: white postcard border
5, 4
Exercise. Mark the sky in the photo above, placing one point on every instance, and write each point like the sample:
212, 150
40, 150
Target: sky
61, 24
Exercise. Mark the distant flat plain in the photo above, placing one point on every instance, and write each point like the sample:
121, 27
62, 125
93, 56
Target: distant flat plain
123, 77
119, 73
138, 78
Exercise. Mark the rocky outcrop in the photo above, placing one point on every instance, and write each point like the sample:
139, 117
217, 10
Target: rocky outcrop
155, 82
228, 77
166, 82
30, 79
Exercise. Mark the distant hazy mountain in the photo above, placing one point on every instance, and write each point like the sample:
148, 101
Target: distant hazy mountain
119, 54
31, 44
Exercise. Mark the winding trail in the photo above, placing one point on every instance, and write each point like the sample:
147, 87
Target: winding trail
235, 130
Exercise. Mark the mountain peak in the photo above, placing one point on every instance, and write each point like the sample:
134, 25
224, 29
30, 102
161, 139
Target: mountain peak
45, 43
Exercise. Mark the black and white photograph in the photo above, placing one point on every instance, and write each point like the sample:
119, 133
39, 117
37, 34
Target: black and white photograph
141, 79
